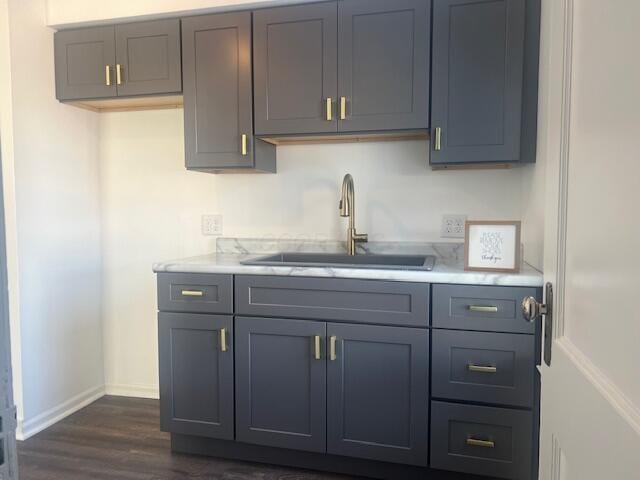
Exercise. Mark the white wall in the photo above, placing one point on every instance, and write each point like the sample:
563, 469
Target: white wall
152, 208
64, 12
53, 162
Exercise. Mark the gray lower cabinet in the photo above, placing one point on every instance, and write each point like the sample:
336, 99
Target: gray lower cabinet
383, 65
377, 386
126, 60
218, 97
196, 374
281, 383
295, 61
84, 62
482, 78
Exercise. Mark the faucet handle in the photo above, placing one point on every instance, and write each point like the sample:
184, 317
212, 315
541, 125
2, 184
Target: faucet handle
361, 237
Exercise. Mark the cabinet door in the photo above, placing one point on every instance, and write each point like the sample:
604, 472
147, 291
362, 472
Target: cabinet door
281, 383
377, 393
478, 61
384, 53
295, 60
196, 374
148, 58
216, 52
85, 61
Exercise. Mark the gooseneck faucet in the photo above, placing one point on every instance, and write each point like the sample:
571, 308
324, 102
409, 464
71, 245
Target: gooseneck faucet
348, 209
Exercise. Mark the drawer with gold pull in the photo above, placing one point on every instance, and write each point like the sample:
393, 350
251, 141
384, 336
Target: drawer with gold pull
484, 367
482, 440
483, 308
195, 293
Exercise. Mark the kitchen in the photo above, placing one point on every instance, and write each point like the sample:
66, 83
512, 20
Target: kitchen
131, 187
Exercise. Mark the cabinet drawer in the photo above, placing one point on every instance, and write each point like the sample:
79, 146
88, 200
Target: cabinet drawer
483, 367
196, 293
481, 440
365, 301
494, 309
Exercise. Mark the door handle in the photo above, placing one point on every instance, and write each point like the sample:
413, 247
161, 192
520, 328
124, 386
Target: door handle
223, 339
532, 310
316, 348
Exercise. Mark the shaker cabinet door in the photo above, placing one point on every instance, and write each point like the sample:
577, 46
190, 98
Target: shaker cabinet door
384, 53
477, 80
148, 58
196, 374
377, 391
216, 52
85, 63
295, 61
281, 383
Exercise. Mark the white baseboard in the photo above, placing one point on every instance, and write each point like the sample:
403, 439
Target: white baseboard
135, 391
29, 427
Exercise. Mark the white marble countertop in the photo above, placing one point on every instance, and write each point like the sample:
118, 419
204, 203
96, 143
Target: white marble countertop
448, 268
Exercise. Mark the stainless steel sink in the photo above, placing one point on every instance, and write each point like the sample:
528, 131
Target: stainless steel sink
371, 261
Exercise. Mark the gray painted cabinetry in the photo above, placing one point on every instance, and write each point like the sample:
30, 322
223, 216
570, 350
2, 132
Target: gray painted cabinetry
340, 374
124, 60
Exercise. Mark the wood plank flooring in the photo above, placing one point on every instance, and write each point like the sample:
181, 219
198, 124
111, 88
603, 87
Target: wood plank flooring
120, 438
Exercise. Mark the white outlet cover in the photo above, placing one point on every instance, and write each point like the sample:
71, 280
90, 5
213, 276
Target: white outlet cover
453, 226
212, 225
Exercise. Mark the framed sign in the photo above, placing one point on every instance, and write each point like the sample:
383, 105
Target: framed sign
492, 246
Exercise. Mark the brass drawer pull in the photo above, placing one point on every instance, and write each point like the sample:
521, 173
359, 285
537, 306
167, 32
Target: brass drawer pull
483, 308
437, 141
107, 75
118, 74
332, 344
192, 293
329, 116
316, 347
223, 339
343, 108
481, 369
244, 145
472, 442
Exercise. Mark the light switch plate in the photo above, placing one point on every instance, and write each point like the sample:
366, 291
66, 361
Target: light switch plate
212, 225
453, 226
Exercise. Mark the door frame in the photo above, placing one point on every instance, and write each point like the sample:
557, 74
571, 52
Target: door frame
555, 144
8, 469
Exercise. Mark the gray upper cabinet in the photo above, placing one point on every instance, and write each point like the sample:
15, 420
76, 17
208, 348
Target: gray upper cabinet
295, 60
377, 386
196, 374
384, 57
218, 111
84, 62
478, 80
126, 60
281, 383
148, 58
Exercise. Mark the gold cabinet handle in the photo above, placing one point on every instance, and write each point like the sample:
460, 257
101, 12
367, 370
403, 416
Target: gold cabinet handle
107, 75
437, 141
316, 347
343, 108
329, 114
332, 348
223, 340
481, 368
118, 74
483, 308
192, 293
244, 144
473, 442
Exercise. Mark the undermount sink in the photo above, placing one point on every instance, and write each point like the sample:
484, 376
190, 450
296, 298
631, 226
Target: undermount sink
372, 261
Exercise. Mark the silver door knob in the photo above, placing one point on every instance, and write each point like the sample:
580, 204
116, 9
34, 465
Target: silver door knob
533, 309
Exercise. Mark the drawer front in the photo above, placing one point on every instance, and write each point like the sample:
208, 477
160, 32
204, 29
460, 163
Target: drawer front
485, 367
365, 301
195, 293
493, 309
481, 440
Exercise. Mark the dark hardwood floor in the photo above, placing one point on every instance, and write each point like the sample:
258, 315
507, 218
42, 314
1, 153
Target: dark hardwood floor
119, 438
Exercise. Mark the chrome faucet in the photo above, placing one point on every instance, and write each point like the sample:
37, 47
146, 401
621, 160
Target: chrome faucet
348, 209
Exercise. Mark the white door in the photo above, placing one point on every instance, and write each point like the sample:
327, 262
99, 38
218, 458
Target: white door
590, 143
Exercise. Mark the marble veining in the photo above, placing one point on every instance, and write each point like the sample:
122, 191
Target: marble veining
449, 262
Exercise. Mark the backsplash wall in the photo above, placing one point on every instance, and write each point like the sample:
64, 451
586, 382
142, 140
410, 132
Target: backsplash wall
152, 210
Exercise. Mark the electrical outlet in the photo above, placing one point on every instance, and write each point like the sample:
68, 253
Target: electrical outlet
453, 226
212, 225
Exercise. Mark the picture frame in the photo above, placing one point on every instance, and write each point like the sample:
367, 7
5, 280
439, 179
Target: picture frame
492, 246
